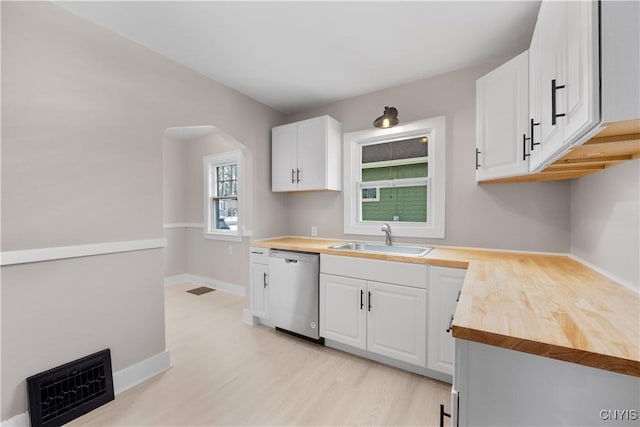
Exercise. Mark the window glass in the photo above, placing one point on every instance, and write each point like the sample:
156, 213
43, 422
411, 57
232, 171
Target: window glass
400, 171
223, 175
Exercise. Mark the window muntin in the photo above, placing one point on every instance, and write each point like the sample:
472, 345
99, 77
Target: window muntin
222, 192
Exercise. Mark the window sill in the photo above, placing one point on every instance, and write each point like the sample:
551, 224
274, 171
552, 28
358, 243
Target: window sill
228, 237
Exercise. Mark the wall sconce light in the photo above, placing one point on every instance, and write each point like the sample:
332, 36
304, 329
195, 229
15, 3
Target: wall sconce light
388, 119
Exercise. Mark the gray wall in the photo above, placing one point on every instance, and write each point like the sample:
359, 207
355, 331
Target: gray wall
187, 250
605, 221
532, 217
83, 116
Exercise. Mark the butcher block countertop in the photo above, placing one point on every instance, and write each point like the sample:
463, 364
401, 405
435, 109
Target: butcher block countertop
548, 305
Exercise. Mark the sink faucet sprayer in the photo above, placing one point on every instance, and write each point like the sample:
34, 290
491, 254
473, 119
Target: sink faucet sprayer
387, 230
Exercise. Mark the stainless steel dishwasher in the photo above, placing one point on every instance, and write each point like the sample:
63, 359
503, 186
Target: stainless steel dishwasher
294, 292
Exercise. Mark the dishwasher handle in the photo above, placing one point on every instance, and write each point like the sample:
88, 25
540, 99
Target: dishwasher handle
291, 261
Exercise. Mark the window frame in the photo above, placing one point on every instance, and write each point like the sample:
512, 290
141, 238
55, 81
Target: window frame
210, 163
435, 128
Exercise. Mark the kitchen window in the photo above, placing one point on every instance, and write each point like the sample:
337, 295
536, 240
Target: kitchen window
396, 176
223, 174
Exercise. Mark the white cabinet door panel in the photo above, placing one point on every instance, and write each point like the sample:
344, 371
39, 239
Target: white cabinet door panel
502, 120
396, 322
444, 286
259, 290
284, 154
312, 154
343, 310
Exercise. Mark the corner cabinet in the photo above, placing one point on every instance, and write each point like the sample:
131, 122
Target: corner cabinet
306, 155
495, 386
502, 120
445, 286
565, 79
259, 282
385, 316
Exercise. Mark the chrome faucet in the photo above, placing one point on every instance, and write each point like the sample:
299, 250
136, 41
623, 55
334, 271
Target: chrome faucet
387, 230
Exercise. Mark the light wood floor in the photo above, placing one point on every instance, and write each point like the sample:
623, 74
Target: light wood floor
228, 373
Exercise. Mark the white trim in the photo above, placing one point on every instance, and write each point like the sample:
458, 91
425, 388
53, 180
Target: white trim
212, 161
248, 318
64, 252
435, 225
205, 281
605, 273
20, 420
176, 279
399, 162
229, 237
140, 372
183, 225
122, 381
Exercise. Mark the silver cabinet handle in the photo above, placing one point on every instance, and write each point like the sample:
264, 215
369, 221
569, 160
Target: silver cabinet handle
293, 176
264, 279
297, 175
257, 252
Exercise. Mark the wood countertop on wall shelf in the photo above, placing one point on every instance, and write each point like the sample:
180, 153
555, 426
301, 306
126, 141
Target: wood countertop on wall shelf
547, 305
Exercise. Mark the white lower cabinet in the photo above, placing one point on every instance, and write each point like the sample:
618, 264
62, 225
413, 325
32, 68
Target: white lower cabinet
500, 387
396, 322
343, 317
388, 319
382, 318
259, 282
445, 285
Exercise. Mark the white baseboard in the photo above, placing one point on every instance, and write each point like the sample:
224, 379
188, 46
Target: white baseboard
122, 380
140, 372
20, 420
247, 318
176, 279
205, 281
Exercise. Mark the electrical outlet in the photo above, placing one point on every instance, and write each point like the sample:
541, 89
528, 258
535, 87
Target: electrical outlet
314, 231
230, 249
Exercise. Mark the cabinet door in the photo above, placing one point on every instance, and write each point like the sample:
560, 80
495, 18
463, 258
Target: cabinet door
312, 154
343, 310
444, 285
396, 322
550, 54
581, 97
502, 120
259, 290
284, 153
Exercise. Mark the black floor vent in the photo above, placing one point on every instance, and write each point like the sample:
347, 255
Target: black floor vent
62, 394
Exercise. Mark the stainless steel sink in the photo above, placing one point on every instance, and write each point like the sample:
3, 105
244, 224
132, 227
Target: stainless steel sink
380, 248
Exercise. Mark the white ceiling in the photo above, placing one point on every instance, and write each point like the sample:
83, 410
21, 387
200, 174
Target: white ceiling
294, 56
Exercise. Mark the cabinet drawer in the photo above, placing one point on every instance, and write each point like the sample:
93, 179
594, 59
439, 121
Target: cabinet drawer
399, 273
259, 255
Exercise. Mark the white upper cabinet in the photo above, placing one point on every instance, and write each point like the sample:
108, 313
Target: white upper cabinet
306, 155
563, 70
502, 120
